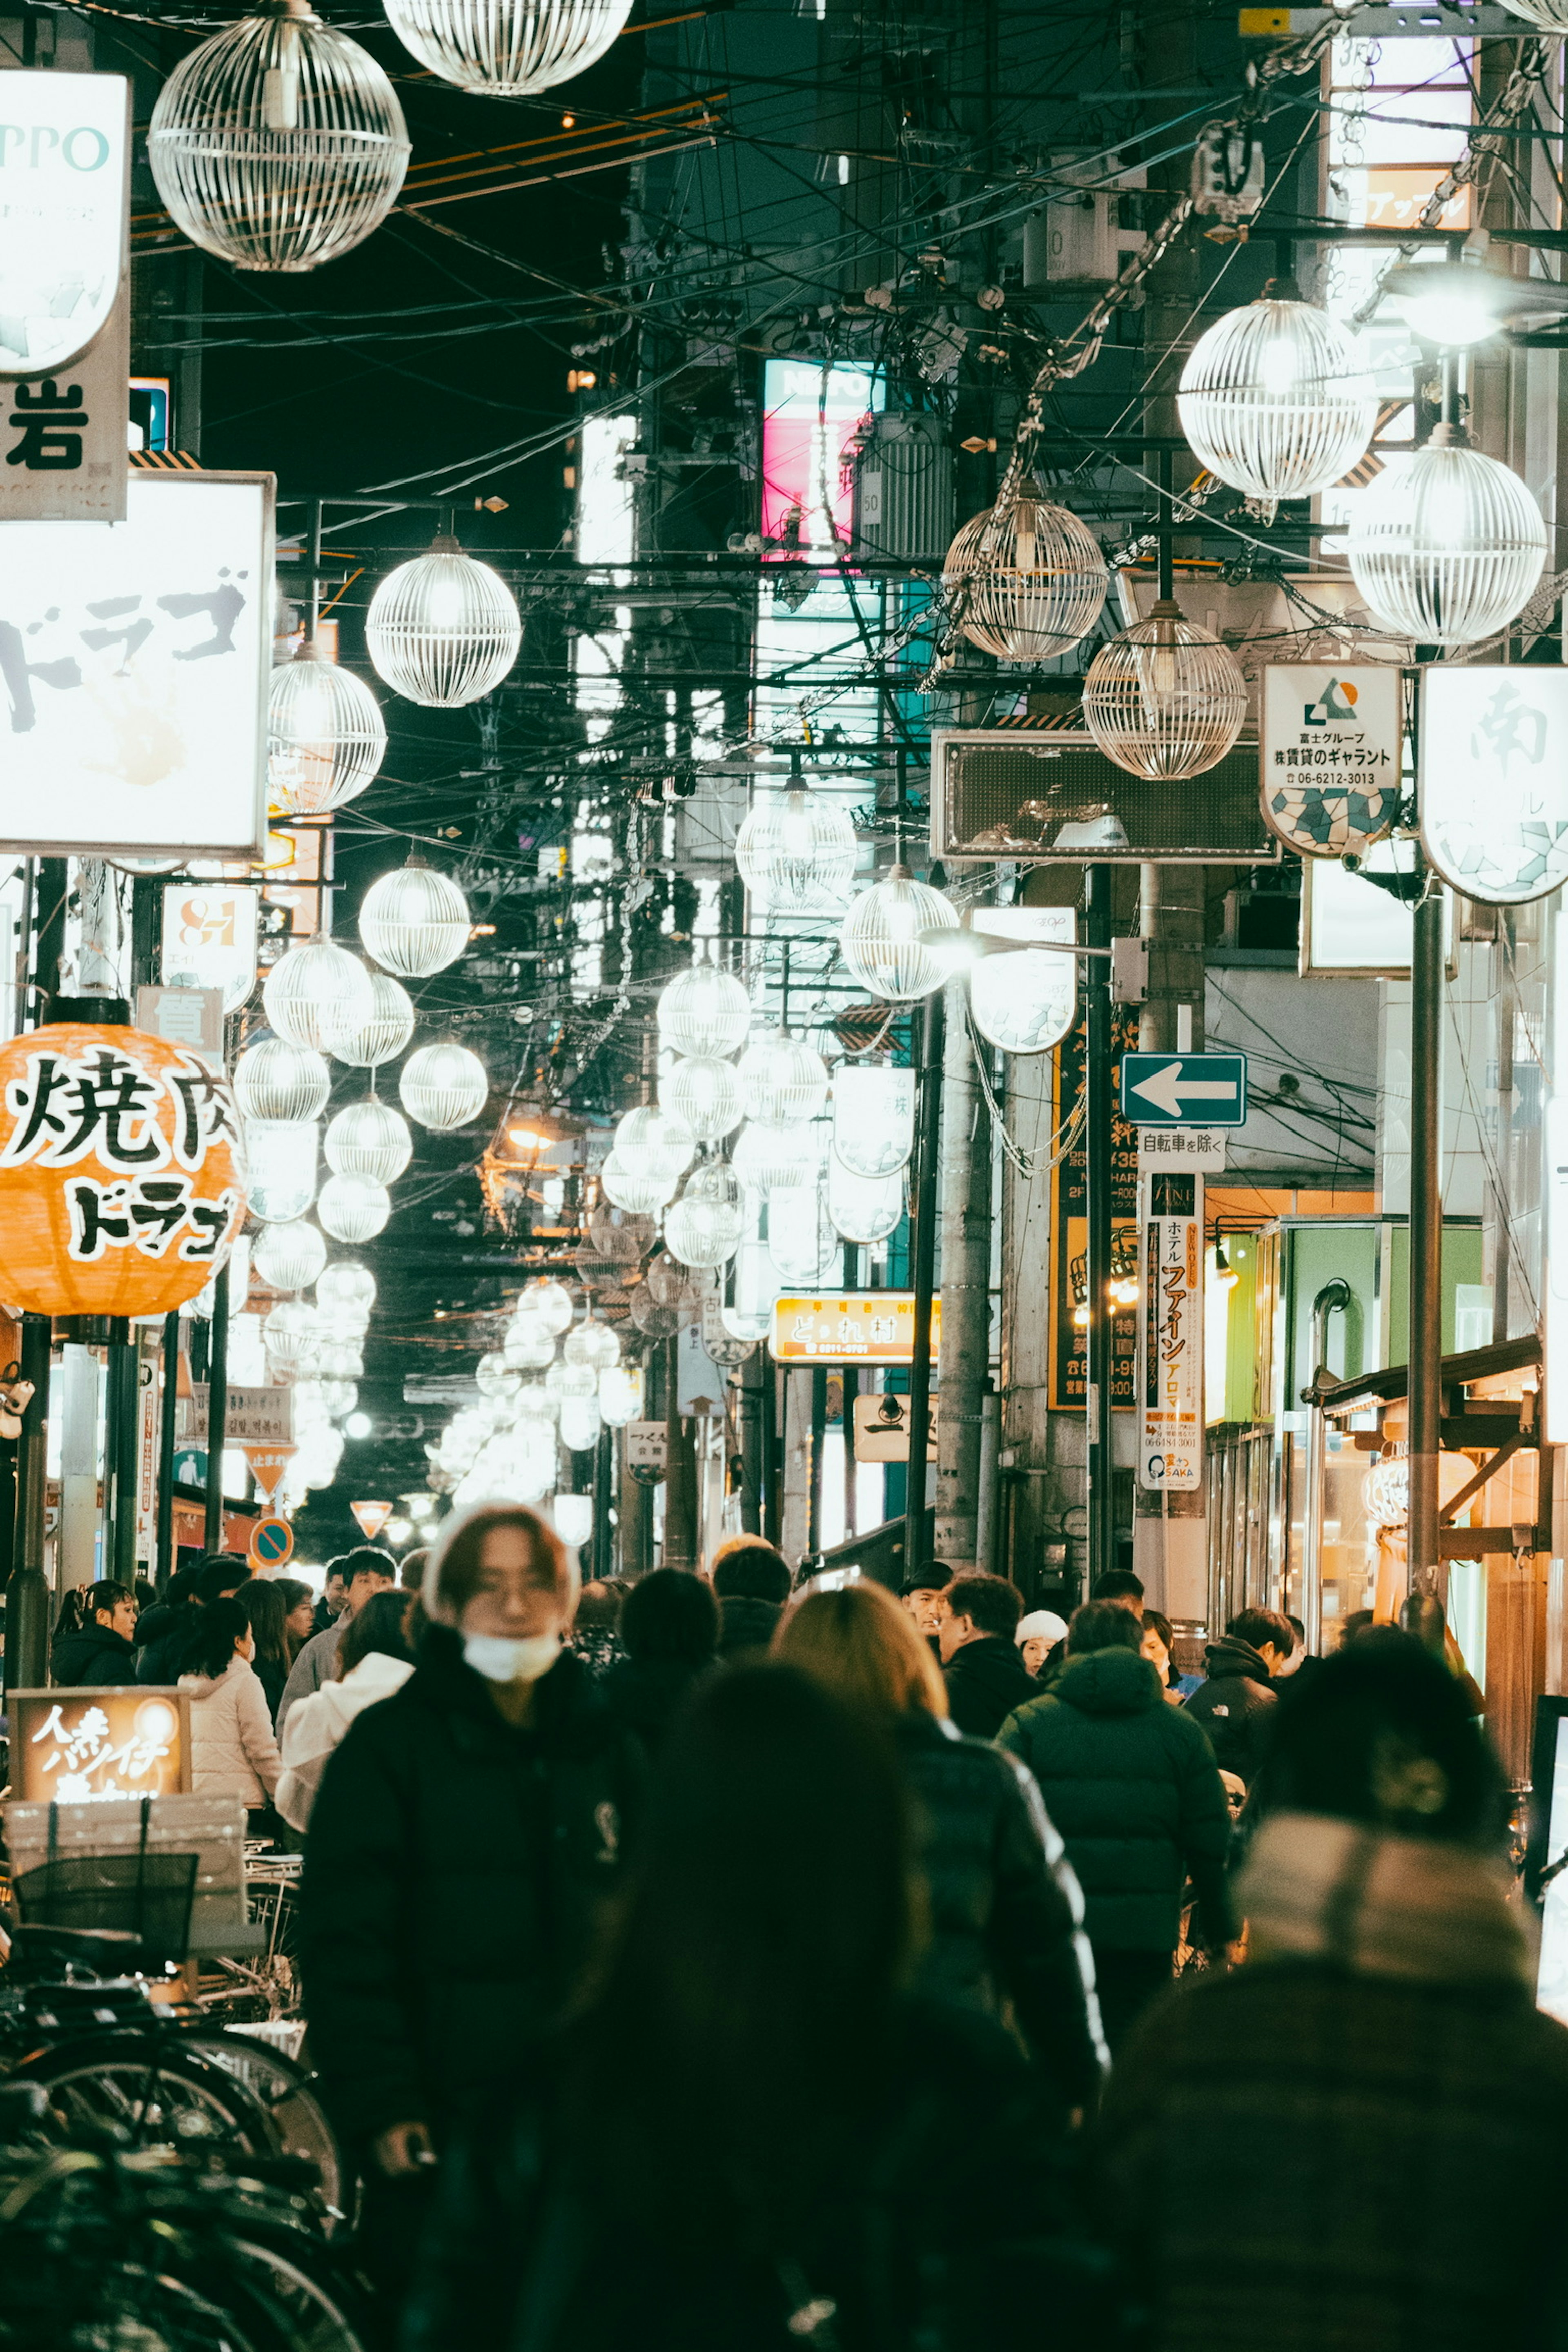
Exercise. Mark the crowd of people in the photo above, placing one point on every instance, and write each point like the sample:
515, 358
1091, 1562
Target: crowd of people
702, 1963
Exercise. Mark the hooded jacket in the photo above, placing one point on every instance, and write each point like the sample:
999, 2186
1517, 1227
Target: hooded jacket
1133, 1788
94, 1655
232, 1752
1234, 1703
986, 1681
455, 1873
317, 1724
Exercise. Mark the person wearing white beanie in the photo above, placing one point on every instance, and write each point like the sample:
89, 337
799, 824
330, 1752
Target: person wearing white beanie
1039, 1632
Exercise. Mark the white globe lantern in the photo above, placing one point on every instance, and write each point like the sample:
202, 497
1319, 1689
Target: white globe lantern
443, 630
288, 1331
620, 1395
796, 852
380, 1036
704, 1010
564, 1380
1276, 400
702, 1091
369, 1139
290, 1256
353, 1208
494, 1377
276, 1080
279, 143
703, 1232
443, 1086
280, 1155
591, 1342
634, 1188
415, 920
1164, 700
882, 944
768, 1158
1448, 546
654, 1142
581, 1421
781, 1078
549, 1304
325, 735
313, 992
528, 1347
340, 1397
346, 1286
1028, 582
507, 48
534, 1403
340, 1362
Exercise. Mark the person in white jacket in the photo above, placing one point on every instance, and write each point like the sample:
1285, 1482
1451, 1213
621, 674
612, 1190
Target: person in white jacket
374, 1660
232, 1752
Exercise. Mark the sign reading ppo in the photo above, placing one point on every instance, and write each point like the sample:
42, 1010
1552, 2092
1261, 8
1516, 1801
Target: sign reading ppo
866, 1327
107, 1746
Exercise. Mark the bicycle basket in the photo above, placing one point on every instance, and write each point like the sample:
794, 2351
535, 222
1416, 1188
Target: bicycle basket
148, 1895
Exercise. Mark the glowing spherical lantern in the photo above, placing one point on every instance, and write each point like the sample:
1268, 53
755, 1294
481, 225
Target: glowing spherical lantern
702, 1091
279, 143
564, 1380
781, 1078
591, 1342
704, 1010
353, 1208
290, 1256
325, 735
634, 1188
1028, 582
443, 1086
1447, 547
703, 1232
508, 49
314, 991
581, 1421
1164, 700
290, 1334
379, 1035
528, 1347
443, 630
620, 1395
369, 1139
494, 1377
550, 1303
795, 852
275, 1080
654, 1142
346, 1286
415, 920
883, 941
281, 1157
121, 1173
340, 1362
1276, 400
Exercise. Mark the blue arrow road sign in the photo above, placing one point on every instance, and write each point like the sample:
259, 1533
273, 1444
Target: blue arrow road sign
1185, 1090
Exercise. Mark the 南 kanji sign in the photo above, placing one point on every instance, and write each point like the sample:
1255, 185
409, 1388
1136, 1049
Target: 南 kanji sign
1185, 1090
1494, 779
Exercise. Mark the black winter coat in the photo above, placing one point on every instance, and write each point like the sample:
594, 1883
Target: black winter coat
986, 1681
1005, 1914
533, 2248
648, 1694
160, 1638
1235, 1705
746, 1626
95, 1655
455, 1874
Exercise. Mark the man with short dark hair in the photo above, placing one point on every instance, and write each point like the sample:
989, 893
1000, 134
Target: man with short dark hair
1234, 1701
986, 1677
1119, 1584
923, 1596
750, 1580
334, 1600
364, 1571
217, 1576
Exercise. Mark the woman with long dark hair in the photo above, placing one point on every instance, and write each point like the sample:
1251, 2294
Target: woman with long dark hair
809, 2155
265, 1614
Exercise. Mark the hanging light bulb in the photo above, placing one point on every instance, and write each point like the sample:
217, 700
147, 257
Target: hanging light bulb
781, 1078
1164, 700
280, 1155
702, 1091
369, 1139
1446, 548
415, 920
704, 1010
701, 1233
550, 1303
620, 1395
1276, 400
353, 1208
279, 143
796, 852
654, 1142
1028, 581
289, 1257
364, 1043
314, 991
507, 48
591, 1342
641, 1194
443, 630
882, 942
275, 1080
443, 1086
345, 1284
325, 735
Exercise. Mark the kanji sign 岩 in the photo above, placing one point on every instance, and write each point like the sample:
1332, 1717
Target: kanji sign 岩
868, 1327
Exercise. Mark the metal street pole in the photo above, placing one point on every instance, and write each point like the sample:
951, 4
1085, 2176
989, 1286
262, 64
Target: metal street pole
1427, 1572
169, 1407
217, 1410
1099, 1140
27, 1593
928, 1129
964, 1355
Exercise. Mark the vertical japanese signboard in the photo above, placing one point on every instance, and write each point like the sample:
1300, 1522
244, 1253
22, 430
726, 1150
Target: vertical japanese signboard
1069, 1233
1171, 1336
1494, 780
1330, 754
209, 939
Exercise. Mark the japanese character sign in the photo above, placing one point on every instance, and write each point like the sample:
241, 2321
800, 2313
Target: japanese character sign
1171, 1336
134, 661
121, 1172
1494, 779
97, 1747
868, 1327
1330, 755
65, 143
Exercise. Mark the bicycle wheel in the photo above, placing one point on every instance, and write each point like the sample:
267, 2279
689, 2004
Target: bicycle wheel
316, 2309
148, 2094
285, 2090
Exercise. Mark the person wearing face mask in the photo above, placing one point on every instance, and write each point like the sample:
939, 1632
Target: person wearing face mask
232, 1752
462, 1848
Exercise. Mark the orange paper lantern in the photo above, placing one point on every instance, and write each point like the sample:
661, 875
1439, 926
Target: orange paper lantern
121, 1172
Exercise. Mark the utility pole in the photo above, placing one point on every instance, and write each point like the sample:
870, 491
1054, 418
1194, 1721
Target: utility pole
1426, 1571
928, 1126
965, 1354
217, 1410
1099, 1138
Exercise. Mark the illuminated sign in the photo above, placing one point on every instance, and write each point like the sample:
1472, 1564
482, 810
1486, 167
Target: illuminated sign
1494, 779
99, 1747
868, 1327
209, 939
809, 416
1171, 1336
65, 177
1330, 754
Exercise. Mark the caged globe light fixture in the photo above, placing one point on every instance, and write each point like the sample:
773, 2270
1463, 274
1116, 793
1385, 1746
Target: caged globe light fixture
883, 939
280, 143
641, 1193
443, 1086
781, 1078
705, 1093
352, 1208
1447, 547
313, 990
795, 852
1164, 700
325, 735
364, 1043
1027, 581
289, 1257
507, 48
654, 1143
369, 1139
276, 1080
704, 1010
415, 921
443, 630
1275, 400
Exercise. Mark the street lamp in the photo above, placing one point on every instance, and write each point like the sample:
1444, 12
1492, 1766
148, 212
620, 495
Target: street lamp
1275, 400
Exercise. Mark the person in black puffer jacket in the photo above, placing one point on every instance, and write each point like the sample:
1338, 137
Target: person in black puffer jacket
986, 1677
1003, 1912
462, 1846
1235, 1702
98, 1652
751, 1579
669, 1631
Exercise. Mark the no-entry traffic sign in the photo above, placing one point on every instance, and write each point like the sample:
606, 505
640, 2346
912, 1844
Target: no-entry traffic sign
271, 1543
1185, 1090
